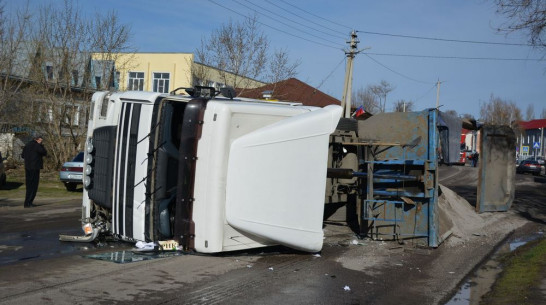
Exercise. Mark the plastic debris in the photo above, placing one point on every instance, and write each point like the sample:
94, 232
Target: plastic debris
451, 272
270, 268
354, 242
144, 246
347, 288
249, 266
316, 255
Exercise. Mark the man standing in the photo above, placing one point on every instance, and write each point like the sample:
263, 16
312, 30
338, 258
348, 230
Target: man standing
475, 158
33, 153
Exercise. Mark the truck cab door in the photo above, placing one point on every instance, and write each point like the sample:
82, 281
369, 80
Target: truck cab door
276, 178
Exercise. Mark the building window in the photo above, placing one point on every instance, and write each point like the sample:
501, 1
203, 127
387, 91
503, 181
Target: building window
136, 81
161, 82
116, 80
75, 77
49, 72
72, 115
97, 82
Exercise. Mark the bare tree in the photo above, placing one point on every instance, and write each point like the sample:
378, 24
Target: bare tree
500, 112
403, 106
525, 15
530, 112
381, 92
240, 51
367, 99
452, 112
280, 67
543, 114
55, 71
468, 116
13, 31
108, 38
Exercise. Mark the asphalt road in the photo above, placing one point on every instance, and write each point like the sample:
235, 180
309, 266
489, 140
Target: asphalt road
36, 268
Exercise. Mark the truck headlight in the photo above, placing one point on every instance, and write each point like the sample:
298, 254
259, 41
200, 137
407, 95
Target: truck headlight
89, 159
87, 228
88, 169
90, 146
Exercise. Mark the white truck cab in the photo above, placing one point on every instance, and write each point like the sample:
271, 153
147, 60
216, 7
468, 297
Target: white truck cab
211, 173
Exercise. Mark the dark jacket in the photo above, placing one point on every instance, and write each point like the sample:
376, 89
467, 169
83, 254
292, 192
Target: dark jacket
33, 154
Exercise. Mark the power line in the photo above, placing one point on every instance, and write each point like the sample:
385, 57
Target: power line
395, 72
390, 34
274, 28
307, 12
330, 74
428, 91
309, 20
456, 57
447, 40
411, 36
270, 17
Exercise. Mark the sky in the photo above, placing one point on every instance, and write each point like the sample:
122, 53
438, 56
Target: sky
315, 33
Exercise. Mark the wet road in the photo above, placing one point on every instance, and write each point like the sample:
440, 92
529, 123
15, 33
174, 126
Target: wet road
36, 268
33, 233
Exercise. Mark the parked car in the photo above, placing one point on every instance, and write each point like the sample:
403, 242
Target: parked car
71, 173
2, 171
529, 166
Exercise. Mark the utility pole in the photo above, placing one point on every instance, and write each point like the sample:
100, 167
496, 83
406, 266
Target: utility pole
542, 141
438, 94
350, 53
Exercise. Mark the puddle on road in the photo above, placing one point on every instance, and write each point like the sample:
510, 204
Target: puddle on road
124, 257
475, 287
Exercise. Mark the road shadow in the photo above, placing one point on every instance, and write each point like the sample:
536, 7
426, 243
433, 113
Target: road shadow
468, 192
11, 186
529, 202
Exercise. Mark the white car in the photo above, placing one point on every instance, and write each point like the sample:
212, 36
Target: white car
71, 173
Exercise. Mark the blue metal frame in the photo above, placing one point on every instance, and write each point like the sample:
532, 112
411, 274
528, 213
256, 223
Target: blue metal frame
408, 206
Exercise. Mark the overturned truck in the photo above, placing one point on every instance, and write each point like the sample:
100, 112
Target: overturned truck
209, 173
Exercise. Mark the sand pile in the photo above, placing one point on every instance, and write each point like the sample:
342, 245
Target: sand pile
459, 217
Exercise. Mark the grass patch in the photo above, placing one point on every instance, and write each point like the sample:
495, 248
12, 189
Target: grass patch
50, 186
522, 274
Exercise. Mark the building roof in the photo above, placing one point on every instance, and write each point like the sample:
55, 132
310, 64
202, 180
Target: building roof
533, 124
292, 90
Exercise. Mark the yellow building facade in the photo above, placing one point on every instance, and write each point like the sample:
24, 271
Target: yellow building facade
164, 72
